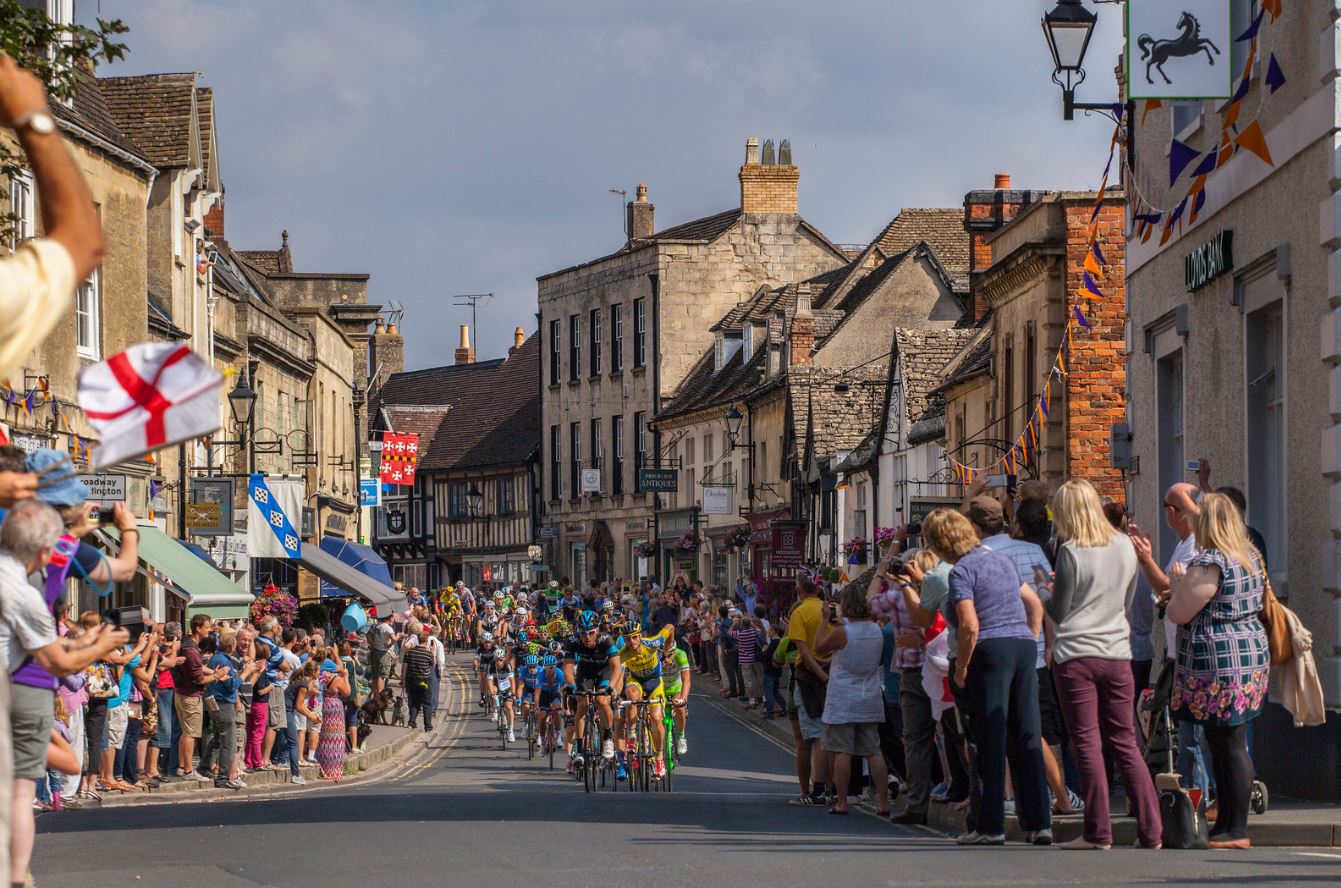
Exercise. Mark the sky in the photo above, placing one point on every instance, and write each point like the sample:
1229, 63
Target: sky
450, 147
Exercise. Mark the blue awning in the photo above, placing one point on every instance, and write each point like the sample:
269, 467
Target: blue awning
200, 553
360, 558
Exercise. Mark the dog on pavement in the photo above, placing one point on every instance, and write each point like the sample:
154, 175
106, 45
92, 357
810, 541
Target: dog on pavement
402, 712
376, 707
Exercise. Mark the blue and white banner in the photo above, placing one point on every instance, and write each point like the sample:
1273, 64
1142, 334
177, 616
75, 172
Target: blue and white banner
272, 503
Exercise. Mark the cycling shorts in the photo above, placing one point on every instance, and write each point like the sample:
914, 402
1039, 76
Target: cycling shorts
590, 676
653, 689
549, 698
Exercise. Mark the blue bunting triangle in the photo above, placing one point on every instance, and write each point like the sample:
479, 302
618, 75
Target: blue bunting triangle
1198, 202
1179, 157
1080, 318
1244, 85
1253, 28
1275, 77
1207, 165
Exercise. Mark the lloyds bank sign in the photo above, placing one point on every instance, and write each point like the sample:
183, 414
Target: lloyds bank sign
1208, 261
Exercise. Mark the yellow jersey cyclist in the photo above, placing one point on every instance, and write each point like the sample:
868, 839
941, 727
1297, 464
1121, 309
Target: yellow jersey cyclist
641, 659
675, 672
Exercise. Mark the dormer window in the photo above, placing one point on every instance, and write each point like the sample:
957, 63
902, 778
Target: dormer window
746, 343
724, 349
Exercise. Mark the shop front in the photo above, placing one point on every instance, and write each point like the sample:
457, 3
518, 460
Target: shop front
496, 570
672, 528
191, 583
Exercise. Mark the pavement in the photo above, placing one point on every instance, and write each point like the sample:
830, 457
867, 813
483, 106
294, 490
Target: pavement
1287, 823
463, 810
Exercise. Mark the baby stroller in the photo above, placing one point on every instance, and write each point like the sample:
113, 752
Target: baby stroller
1161, 740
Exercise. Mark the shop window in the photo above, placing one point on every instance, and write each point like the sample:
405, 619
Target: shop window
1169, 406
1267, 455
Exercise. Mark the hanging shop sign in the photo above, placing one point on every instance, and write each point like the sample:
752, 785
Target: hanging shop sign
1179, 50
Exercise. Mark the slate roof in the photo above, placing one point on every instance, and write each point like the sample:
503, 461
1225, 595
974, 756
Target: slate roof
923, 355
91, 112
154, 112
837, 420
941, 229
704, 230
486, 413
973, 360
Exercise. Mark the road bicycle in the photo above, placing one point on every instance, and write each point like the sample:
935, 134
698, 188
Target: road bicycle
532, 728
672, 742
597, 771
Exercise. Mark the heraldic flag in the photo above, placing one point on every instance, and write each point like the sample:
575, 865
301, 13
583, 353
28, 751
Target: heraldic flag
148, 397
273, 504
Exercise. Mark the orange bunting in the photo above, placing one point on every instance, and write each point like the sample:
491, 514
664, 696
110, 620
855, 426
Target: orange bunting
1273, 8
1254, 140
1092, 264
1150, 105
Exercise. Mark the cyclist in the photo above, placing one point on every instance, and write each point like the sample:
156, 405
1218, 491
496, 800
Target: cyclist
468, 611
528, 675
571, 604
675, 673
641, 658
484, 654
548, 696
500, 680
591, 661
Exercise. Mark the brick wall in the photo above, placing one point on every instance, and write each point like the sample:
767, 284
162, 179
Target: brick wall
986, 212
768, 188
1096, 382
214, 220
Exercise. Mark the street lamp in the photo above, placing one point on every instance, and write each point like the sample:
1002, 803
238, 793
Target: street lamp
242, 404
475, 501
1068, 29
734, 418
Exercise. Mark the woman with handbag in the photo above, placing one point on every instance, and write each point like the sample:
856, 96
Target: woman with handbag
1223, 658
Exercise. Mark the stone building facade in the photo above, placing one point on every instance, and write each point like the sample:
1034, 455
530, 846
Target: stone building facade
1240, 366
618, 334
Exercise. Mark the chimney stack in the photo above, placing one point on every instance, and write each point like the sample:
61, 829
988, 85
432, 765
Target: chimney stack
801, 336
987, 211
518, 340
640, 216
768, 188
464, 353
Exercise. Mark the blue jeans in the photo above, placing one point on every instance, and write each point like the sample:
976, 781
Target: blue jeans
286, 743
123, 765
169, 732
1192, 756
773, 700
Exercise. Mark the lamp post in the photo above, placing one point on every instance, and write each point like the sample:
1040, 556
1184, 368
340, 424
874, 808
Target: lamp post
734, 419
475, 502
242, 403
1068, 29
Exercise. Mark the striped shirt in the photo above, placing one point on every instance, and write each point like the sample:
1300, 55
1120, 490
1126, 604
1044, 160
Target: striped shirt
747, 640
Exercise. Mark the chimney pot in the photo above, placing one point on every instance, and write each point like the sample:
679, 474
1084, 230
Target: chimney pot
464, 353
751, 151
392, 330
1002, 182
381, 325
641, 197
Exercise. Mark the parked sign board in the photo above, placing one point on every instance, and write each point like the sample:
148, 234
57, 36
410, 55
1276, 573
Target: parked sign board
716, 500
1179, 50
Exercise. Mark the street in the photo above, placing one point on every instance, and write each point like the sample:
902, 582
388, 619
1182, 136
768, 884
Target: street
474, 815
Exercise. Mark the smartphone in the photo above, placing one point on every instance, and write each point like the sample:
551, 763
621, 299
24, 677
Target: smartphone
105, 515
1006, 481
1193, 466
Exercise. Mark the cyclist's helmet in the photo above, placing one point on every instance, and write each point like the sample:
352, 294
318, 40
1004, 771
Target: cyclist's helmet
499, 654
532, 660
486, 637
608, 606
523, 636
587, 621
530, 621
556, 646
550, 661
631, 628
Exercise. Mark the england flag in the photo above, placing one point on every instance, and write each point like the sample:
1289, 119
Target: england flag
148, 397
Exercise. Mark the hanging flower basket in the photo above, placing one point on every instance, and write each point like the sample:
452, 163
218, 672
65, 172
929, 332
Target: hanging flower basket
646, 549
737, 538
274, 602
884, 538
688, 543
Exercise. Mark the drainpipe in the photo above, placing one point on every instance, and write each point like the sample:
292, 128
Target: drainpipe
655, 280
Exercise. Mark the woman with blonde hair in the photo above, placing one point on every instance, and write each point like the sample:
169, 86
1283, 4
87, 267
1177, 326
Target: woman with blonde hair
1220, 671
998, 619
1094, 584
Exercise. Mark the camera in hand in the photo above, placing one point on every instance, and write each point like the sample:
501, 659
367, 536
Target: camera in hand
898, 567
132, 618
105, 515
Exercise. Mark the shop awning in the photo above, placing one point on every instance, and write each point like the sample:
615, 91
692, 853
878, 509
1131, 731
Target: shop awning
348, 580
361, 558
206, 586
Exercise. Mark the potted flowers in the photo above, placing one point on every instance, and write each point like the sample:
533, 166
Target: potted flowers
646, 549
855, 550
688, 542
884, 538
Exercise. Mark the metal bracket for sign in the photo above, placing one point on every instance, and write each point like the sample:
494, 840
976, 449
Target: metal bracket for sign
303, 459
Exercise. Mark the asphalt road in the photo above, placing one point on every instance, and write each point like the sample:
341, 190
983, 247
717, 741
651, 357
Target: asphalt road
470, 814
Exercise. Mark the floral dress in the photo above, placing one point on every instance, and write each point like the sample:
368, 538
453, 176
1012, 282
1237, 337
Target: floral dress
331, 749
1220, 674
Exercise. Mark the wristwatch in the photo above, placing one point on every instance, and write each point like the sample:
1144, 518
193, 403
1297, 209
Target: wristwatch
39, 121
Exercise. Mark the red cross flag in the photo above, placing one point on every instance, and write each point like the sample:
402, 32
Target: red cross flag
148, 397
400, 455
